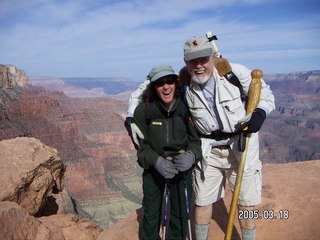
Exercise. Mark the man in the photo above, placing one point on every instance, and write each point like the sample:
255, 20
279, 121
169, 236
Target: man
217, 109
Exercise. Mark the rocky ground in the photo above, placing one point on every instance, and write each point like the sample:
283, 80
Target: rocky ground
291, 192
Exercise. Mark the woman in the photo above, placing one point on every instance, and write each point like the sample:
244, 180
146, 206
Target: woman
167, 153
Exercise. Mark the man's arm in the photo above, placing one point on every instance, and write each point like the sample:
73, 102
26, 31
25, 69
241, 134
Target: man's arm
135, 97
132, 129
254, 121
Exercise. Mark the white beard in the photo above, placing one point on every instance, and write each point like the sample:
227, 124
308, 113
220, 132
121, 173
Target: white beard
200, 80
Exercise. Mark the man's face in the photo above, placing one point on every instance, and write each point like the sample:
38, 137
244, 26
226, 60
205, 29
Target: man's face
200, 69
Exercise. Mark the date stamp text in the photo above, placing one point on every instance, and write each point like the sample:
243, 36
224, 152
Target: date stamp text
267, 214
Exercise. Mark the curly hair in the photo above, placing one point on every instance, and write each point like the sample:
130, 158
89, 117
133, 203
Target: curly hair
150, 94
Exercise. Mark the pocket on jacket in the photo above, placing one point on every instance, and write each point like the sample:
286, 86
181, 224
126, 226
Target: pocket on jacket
234, 110
201, 119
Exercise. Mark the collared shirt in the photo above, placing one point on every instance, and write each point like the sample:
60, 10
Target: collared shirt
208, 91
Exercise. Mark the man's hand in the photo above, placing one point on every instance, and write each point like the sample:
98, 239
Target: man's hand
184, 161
253, 122
165, 168
133, 131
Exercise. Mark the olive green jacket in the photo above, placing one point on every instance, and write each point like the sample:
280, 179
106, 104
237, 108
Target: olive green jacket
166, 132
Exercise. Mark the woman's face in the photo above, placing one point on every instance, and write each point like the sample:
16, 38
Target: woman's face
165, 88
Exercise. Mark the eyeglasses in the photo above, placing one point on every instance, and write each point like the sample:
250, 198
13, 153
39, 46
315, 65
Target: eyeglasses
163, 82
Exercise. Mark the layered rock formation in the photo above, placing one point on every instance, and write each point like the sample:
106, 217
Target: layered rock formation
102, 176
11, 76
31, 173
92, 142
116, 88
292, 132
57, 84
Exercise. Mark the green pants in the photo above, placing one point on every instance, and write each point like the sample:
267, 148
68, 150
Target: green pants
153, 188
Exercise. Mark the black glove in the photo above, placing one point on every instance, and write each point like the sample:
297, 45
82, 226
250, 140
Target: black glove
127, 123
165, 168
254, 123
184, 161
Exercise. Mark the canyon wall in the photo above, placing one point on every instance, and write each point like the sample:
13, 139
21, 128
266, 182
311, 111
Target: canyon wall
117, 88
292, 131
102, 176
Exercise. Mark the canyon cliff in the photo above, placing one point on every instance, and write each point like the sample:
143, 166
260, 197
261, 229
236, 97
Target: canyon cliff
292, 131
102, 179
11, 76
102, 176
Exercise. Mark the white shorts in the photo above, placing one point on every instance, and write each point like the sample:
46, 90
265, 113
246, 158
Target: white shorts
222, 165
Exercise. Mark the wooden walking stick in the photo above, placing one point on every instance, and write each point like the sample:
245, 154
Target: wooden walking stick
253, 101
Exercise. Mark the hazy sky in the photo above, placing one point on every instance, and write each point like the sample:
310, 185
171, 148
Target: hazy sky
126, 38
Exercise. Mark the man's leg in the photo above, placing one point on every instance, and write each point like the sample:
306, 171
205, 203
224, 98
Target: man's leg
202, 221
248, 226
250, 195
206, 192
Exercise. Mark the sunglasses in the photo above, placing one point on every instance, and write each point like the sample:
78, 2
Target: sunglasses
163, 82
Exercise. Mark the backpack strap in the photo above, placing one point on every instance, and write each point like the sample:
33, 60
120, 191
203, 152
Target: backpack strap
184, 98
224, 69
233, 79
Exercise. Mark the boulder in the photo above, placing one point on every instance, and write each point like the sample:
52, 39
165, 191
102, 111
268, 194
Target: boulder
31, 171
17, 223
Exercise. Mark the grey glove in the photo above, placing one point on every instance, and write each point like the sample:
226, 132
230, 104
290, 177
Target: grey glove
184, 161
165, 168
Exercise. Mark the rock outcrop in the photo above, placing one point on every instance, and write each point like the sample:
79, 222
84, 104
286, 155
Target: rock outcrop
11, 76
31, 173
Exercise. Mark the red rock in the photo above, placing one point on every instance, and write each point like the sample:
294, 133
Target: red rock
17, 223
31, 171
71, 226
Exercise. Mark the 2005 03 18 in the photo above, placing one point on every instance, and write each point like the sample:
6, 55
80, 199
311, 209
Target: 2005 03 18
264, 214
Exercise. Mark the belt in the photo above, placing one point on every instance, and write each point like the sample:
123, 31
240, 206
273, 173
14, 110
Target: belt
222, 147
218, 135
